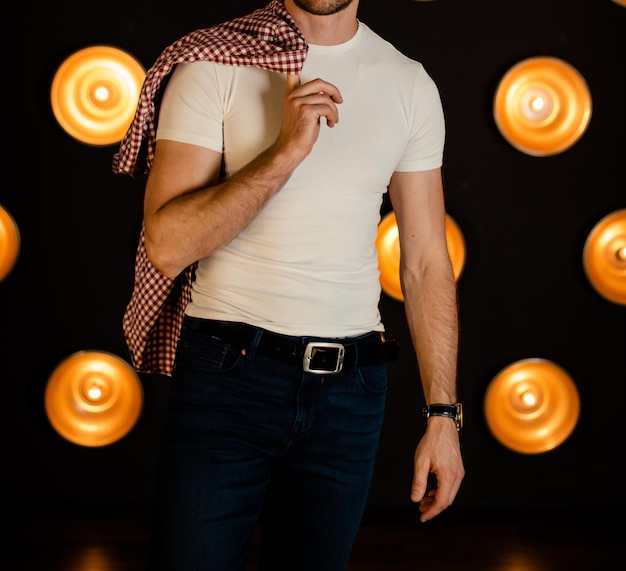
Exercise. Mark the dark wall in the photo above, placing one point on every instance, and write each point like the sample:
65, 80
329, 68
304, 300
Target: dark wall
523, 292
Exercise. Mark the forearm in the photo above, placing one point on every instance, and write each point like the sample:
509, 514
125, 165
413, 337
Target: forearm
188, 214
430, 300
432, 314
192, 225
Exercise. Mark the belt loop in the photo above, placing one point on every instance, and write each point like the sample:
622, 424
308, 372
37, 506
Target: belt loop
250, 351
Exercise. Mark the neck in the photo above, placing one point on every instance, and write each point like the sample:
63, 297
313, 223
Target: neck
328, 30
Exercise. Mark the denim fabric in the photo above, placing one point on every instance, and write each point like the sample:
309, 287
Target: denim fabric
247, 439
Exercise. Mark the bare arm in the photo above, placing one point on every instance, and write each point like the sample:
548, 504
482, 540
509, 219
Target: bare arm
188, 213
430, 299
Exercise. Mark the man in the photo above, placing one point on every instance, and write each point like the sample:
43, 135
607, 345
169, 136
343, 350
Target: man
269, 186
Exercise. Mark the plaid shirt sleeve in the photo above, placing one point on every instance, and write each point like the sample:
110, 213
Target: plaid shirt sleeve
267, 38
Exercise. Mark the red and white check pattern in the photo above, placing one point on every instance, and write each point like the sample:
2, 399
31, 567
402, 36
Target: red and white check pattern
267, 38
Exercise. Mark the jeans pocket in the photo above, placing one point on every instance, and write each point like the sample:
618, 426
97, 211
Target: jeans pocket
199, 352
373, 379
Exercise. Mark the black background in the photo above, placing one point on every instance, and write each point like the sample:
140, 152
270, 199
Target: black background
523, 292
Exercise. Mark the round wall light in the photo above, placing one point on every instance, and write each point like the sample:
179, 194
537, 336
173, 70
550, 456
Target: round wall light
9, 243
388, 245
93, 398
532, 406
542, 106
94, 94
456, 246
604, 257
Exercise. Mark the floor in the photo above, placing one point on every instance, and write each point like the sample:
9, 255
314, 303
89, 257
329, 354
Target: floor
389, 540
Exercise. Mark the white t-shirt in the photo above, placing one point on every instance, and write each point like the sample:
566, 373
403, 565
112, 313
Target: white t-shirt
307, 264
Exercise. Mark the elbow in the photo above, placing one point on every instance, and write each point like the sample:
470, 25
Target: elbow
436, 276
162, 258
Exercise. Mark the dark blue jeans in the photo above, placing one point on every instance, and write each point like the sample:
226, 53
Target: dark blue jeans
248, 439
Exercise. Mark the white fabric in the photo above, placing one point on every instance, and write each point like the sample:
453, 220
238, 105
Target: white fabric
307, 264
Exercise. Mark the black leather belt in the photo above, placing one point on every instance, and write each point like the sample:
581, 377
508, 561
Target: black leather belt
314, 355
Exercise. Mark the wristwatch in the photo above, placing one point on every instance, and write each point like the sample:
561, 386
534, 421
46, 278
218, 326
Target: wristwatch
452, 411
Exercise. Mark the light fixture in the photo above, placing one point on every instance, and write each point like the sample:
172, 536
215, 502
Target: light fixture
9, 243
388, 246
542, 106
604, 257
456, 246
532, 406
94, 94
93, 398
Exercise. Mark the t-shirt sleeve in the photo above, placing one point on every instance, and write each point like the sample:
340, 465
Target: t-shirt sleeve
425, 145
191, 107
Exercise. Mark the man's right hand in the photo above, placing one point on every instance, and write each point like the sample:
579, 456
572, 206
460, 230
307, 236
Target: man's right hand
304, 107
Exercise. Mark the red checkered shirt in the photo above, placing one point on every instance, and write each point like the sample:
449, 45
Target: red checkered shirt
267, 38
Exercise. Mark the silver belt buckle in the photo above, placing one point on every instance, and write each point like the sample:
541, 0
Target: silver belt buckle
309, 354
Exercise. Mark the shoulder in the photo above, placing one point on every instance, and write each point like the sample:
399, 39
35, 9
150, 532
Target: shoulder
208, 71
385, 48
385, 53
200, 69
209, 77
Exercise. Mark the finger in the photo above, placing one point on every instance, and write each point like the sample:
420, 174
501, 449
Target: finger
426, 502
317, 106
431, 505
438, 499
321, 87
293, 82
328, 112
419, 484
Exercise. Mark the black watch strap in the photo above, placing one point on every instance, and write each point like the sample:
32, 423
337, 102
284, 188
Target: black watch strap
452, 411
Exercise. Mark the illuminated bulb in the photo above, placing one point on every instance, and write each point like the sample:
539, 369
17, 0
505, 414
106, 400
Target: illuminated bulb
615, 252
536, 104
526, 397
9, 243
96, 389
101, 94
388, 246
532, 406
542, 106
529, 399
94, 94
94, 393
93, 398
604, 257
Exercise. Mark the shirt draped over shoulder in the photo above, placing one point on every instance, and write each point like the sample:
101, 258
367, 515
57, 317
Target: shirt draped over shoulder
266, 38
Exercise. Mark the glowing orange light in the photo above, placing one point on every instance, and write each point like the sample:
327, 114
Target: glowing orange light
388, 245
95, 558
604, 257
532, 406
9, 243
94, 94
542, 106
93, 398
